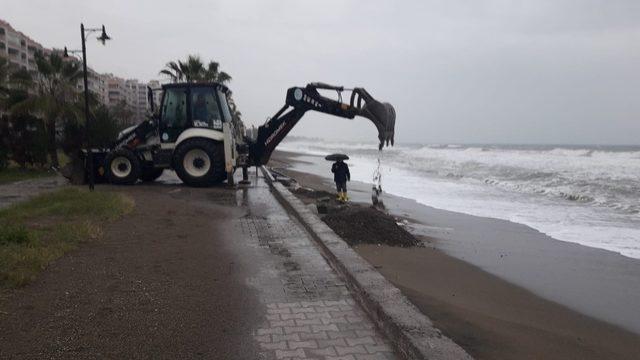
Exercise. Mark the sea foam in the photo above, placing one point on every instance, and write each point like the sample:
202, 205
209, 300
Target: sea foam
585, 195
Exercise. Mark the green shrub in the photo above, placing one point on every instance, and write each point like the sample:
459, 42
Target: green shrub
4, 142
26, 140
4, 157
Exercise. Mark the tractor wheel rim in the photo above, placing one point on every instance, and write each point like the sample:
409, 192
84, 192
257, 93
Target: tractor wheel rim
196, 162
121, 167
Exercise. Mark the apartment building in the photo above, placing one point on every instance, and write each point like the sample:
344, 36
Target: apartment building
97, 84
138, 97
129, 92
156, 87
17, 47
110, 90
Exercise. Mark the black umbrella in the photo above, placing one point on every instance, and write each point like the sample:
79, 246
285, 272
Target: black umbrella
336, 157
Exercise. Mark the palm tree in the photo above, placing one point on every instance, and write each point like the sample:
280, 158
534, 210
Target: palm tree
14, 85
237, 115
193, 70
54, 96
213, 73
174, 71
4, 125
5, 71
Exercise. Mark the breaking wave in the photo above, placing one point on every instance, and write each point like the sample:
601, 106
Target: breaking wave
588, 195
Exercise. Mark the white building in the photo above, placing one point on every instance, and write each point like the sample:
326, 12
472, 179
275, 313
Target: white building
17, 47
19, 50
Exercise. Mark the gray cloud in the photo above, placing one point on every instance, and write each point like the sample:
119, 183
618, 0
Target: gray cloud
457, 71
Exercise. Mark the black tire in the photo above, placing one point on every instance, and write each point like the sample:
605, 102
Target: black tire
151, 174
122, 167
196, 169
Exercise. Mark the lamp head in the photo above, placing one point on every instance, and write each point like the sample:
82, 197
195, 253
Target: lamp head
103, 37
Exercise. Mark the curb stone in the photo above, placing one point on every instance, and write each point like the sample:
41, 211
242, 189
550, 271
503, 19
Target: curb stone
412, 333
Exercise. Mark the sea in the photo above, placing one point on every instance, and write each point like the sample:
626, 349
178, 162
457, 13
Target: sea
589, 195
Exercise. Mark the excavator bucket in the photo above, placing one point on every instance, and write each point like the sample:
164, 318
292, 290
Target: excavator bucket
383, 115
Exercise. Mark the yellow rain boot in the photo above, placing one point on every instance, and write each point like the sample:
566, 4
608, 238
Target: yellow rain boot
339, 196
345, 198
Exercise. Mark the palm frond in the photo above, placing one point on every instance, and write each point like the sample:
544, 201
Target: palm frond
170, 74
223, 77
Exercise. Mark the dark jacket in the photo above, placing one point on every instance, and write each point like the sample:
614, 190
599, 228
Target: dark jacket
340, 172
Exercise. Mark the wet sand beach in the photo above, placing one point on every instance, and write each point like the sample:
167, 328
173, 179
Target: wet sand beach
503, 290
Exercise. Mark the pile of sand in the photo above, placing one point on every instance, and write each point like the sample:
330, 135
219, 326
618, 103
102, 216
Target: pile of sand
367, 225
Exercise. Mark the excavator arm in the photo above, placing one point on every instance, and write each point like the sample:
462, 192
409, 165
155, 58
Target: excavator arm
302, 99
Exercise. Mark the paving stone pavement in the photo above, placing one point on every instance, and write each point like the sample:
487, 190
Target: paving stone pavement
323, 329
310, 313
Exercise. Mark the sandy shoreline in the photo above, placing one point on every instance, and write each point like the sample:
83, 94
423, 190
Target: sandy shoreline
488, 316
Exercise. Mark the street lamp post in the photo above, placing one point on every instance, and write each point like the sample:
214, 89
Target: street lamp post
86, 108
84, 33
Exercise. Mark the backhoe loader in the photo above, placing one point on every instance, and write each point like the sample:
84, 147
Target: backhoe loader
195, 134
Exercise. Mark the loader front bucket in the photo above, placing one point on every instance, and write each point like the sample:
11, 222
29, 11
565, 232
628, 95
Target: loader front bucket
77, 169
383, 115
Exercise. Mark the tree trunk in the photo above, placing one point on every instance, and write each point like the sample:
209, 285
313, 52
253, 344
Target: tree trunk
51, 146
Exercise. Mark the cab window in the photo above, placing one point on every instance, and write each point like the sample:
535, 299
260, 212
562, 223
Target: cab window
225, 106
204, 108
174, 109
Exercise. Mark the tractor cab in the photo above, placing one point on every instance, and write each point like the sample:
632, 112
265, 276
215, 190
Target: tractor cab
187, 106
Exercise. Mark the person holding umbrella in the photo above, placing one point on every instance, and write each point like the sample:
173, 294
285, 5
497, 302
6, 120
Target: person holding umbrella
341, 174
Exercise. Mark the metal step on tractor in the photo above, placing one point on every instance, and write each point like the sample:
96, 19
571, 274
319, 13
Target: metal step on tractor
193, 132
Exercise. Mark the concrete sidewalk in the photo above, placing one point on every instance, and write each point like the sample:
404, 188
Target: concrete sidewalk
309, 311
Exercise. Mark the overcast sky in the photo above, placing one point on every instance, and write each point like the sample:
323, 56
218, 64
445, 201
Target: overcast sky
474, 71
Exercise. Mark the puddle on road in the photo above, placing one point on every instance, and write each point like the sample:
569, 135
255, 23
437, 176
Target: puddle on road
224, 197
9, 197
